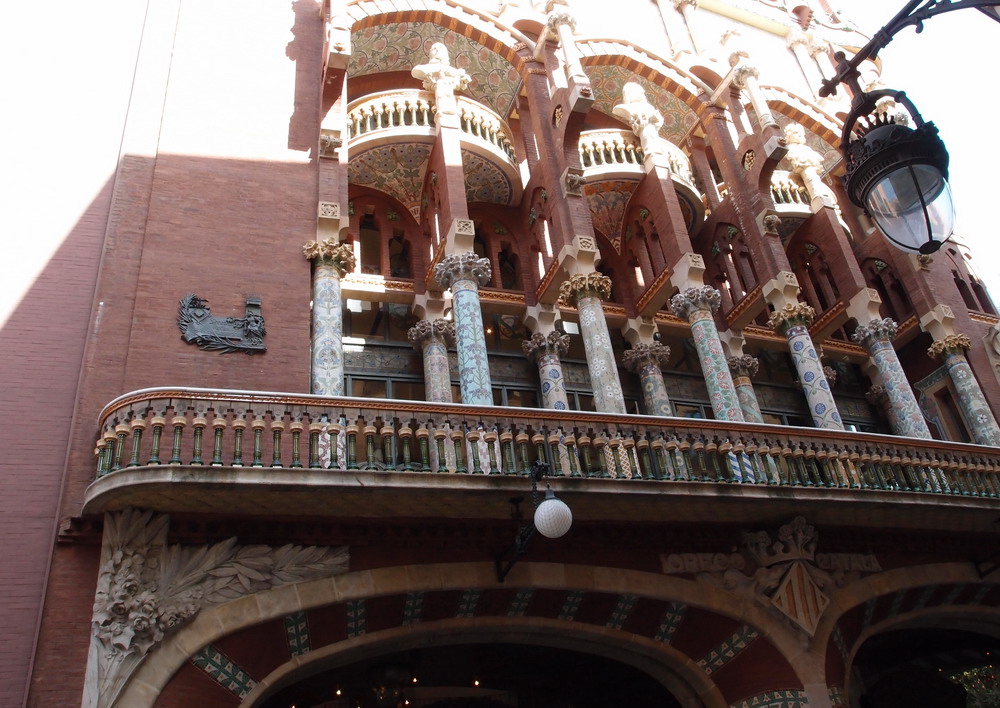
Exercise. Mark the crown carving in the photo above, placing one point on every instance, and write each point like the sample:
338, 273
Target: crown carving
796, 541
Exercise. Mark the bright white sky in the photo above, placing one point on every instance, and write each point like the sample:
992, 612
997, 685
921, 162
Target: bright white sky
949, 72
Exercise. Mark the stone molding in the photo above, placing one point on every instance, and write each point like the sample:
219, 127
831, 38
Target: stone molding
952, 344
463, 266
744, 365
791, 315
692, 300
147, 590
330, 252
643, 355
426, 329
583, 285
539, 344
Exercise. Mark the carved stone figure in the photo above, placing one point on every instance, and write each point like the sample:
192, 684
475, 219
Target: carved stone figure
806, 162
641, 116
442, 78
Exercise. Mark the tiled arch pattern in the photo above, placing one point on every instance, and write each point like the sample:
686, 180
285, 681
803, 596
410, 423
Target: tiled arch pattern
222, 673
607, 201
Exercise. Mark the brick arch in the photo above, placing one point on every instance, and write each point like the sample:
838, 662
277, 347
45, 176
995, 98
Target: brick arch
743, 633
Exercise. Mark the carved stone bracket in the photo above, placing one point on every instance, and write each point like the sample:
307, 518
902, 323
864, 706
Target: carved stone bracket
573, 181
694, 299
745, 365
952, 344
222, 334
643, 355
330, 252
329, 146
146, 590
584, 285
539, 344
425, 329
791, 315
463, 266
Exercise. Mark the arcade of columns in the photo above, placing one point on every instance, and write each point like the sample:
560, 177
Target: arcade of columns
728, 379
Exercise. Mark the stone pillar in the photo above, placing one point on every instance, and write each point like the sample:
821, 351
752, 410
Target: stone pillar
331, 260
562, 24
696, 305
687, 8
648, 361
793, 322
433, 337
978, 416
876, 337
743, 368
545, 351
586, 292
443, 79
807, 164
463, 273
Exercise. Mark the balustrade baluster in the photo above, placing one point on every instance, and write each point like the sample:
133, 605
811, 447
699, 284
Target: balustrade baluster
475, 435
352, 446
570, 442
158, 422
218, 426
406, 436
522, 440
258, 441
557, 467
601, 446
423, 437
178, 422
629, 443
296, 427
109, 451
615, 445
137, 425
585, 443
491, 438
199, 424
315, 429
388, 454
277, 428
646, 459
458, 440
333, 429
370, 462
439, 437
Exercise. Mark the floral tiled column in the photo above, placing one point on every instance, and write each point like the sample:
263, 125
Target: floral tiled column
876, 337
331, 260
586, 292
433, 336
696, 305
648, 361
978, 416
463, 273
743, 368
546, 351
793, 322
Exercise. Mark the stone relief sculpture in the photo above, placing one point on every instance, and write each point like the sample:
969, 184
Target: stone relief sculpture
442, 78
147, 589
806, 163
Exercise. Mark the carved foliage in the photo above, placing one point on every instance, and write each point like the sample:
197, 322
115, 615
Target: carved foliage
426, 329
539, 344
583, 285
744, 365
463, 266
953, 343
695, 299
328, 251
884, 329
643, 355
791, 315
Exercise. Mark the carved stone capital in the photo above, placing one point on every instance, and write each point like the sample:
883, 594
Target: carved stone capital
877, 395
146, 589
330, 252
743, 72
952, 344
642, 355
584, 285
797, 38
693, 299
463, 266
427, 329
831, 375
679, 4
560, 18
791, 315
539, 344
883, 329
328, 146
744, 365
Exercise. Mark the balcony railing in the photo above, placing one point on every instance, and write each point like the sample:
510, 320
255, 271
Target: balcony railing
408, 109
220, 428
788, 190
621, 148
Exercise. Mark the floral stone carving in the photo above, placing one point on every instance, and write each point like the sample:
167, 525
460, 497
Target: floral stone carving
463, 266
330, 252
692, 300
791, 315
423, 330
953, 343
591, 284
539, 344
641, 356
147, 589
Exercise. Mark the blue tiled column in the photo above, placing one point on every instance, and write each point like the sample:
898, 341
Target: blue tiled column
742, 368
546, 352
648, 361
463, 274
978, 416
331, 260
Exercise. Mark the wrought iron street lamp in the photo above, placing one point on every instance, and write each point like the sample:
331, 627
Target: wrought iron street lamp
897, 173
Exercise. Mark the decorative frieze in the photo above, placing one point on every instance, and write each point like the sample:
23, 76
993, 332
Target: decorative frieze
330, 252
584, 285
463, 267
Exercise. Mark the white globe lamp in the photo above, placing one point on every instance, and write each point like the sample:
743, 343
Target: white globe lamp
552, 517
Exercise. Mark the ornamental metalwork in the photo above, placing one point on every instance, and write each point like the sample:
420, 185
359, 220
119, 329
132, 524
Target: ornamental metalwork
463, 266
222, 334
330, 252
694, 300
583, 285
953, 343
790, 315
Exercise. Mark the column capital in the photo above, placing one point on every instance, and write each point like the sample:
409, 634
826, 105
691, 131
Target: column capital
791, 315
643, 355
693, 299
330, 252
589, 284
876, 330
744, 365
797, 37
560, 18
878, 395
539, 344
442, 78
742, 72
462, 266
679, 4
952, 344
426, 329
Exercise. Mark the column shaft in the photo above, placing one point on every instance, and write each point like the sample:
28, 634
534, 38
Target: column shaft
742, 368
978, 416
906, 417
608, 396
463, 273
437, 380
550, 374
327, 332
654, 391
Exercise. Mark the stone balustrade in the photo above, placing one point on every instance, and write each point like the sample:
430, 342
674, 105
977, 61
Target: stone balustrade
788, 190
411, 108
599, 148
232, 429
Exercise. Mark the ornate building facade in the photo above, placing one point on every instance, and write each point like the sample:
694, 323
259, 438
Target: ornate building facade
367, 265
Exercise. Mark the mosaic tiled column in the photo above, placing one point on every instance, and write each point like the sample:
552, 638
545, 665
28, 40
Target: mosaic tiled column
546, 351
586, 292
696, 305
331, 260
879, 397
743, 368
793, 322
648, 361
978, 416
876, 337
433, 336
463, 273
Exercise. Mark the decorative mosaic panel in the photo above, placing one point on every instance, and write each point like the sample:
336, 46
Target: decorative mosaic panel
401, 46
607, 202
484, 181
297, 632
357, 622
623, 608
398, 170
228, 674
413, 608
727, 651
519, 605
774, 699
467, 605
571, 605
670, 621
607, 82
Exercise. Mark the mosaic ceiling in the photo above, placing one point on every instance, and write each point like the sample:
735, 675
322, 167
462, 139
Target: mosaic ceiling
607, 82
403, 45
484, 181
607, 201
398, 170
